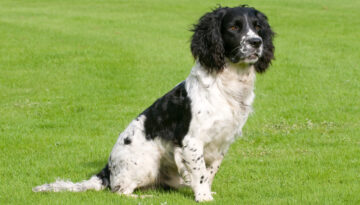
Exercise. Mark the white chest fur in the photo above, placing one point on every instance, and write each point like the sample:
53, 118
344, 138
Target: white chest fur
221, 103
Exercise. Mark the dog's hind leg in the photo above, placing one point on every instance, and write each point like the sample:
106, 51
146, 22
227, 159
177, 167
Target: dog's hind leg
133, 165
125, 183
127, 190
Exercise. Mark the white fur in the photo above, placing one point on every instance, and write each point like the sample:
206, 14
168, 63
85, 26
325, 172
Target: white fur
245, 47
61, 185
220, 105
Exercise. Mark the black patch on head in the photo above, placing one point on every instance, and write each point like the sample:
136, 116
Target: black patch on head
206, 42
169, 117
104, 175
210, 46
244, 18
127, 141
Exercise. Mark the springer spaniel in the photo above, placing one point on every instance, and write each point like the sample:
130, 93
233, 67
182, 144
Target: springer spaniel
181, 139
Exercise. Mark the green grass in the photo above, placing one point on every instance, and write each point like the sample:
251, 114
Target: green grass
73, 74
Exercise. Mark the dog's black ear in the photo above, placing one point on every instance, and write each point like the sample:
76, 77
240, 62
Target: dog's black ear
267, 35
206, 42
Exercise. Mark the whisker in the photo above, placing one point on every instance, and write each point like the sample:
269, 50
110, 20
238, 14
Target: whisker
238, 47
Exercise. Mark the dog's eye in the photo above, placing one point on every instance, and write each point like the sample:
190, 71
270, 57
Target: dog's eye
234, 28
257, 26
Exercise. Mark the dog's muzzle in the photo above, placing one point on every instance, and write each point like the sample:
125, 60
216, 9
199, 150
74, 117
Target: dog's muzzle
249, 51
254, 42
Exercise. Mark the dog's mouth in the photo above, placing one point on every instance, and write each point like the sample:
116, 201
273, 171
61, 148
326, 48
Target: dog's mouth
253, 56
249, 57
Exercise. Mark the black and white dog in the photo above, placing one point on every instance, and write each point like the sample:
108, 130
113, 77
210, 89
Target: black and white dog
182, 138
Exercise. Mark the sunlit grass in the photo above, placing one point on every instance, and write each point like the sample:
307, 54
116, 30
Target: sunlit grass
73, 74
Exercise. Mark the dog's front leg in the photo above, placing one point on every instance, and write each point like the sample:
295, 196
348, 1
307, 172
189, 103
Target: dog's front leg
193, 158
213, 168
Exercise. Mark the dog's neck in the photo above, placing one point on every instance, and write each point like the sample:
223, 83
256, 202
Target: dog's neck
235, 73
235, 82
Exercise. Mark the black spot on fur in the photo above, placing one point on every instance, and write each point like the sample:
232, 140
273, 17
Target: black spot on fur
169, 117
116, 188
185, 162
127, 141
209, 46
104, 175
193, 149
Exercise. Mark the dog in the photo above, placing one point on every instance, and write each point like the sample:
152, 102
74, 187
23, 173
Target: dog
182, 138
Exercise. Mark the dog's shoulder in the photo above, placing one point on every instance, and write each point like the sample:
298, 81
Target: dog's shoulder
169, 117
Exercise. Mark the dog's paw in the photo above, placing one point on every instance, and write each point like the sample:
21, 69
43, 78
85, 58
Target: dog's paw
203, 197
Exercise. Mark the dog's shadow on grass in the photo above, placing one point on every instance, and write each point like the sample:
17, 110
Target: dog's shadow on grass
185, 191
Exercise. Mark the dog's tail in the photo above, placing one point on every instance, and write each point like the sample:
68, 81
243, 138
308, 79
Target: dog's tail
97, 182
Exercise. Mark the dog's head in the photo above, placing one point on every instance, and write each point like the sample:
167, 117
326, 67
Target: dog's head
241, 35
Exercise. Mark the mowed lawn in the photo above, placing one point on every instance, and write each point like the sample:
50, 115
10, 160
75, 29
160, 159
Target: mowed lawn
73, 74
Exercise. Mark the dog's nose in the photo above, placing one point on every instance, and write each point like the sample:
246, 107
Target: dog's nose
255, 42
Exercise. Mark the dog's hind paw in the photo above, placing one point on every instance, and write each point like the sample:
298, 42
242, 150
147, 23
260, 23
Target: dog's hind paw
203, 197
